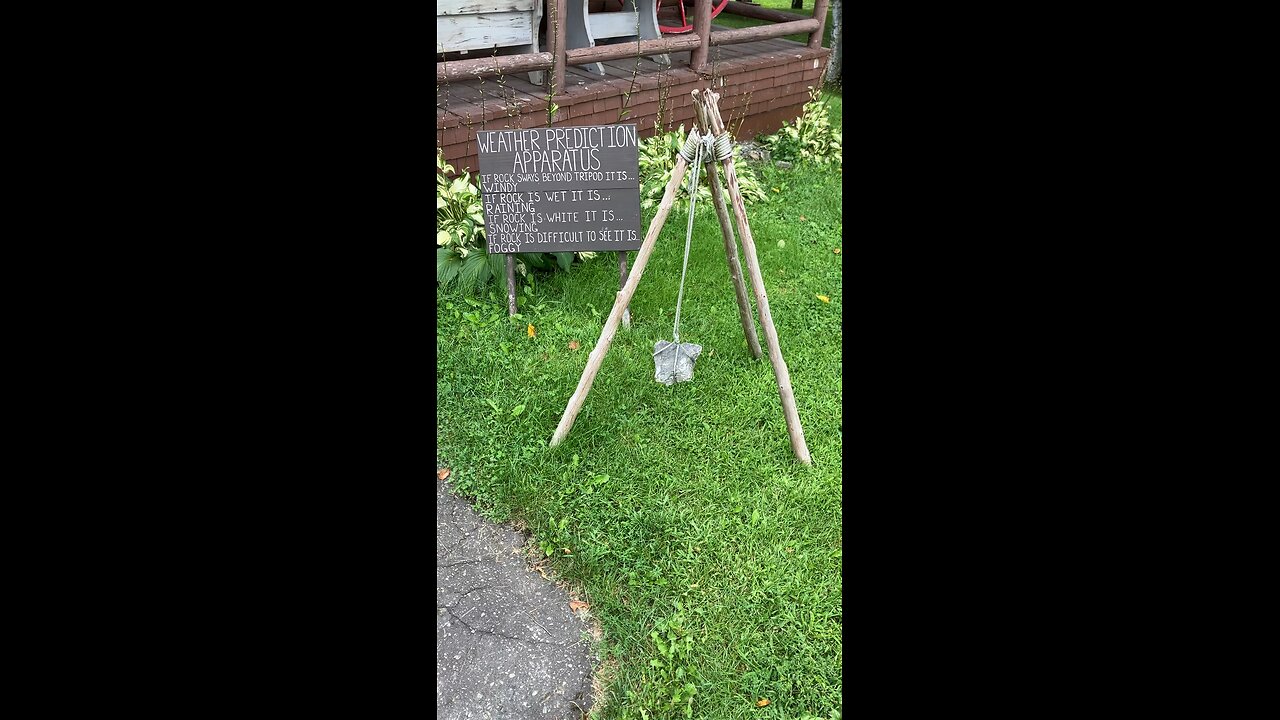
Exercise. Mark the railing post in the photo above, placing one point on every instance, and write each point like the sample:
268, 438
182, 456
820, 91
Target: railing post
701, 26
820, 13
560, 11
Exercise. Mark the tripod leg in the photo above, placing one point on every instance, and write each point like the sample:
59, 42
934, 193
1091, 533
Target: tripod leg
620, 304
730, 246
780, 372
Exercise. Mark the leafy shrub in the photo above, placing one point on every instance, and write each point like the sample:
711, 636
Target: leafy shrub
462, 252
459, 216
812, 139
658, 160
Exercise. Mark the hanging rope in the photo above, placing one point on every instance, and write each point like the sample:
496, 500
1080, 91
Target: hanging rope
697, 150
700, 146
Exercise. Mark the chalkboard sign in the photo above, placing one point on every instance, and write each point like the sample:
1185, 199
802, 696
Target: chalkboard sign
561, 189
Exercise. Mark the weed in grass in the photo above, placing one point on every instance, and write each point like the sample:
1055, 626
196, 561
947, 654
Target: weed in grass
670, 681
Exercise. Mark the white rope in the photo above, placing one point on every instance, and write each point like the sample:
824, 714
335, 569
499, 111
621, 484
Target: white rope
696, 150
723, 148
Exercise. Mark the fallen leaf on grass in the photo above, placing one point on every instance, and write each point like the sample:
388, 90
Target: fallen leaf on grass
803, 218
573, 345
823, 298
836, 251
567, 551
762, 702
443, 473
531, 332
576, 605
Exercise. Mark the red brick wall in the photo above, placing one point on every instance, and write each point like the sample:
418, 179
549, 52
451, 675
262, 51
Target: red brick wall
756, 96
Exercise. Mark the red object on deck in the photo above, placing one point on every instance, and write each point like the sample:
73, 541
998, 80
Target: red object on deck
685, 24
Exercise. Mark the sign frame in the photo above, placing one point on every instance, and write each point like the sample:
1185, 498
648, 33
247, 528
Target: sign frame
560, 189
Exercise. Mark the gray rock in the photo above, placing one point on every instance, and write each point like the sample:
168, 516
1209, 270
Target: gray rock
752, 151
674, 363
783, 165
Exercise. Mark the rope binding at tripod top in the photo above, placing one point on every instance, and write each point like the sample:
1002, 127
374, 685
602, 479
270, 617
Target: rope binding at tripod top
677, 366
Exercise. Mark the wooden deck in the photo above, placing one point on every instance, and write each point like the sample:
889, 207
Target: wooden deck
761, 84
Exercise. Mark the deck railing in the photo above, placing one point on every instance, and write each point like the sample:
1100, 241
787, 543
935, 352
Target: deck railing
698, 42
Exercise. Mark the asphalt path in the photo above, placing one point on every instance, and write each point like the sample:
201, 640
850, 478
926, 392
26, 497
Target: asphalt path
508, 646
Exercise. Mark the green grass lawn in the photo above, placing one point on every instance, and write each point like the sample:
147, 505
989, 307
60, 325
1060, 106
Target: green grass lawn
683, 509
728, 19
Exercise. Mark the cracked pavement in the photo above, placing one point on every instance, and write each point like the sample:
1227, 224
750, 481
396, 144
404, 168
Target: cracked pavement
507, 645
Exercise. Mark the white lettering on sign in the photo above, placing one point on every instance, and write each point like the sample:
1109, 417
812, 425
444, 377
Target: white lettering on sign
560, 189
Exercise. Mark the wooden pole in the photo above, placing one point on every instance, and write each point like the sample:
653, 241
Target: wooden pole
701, 26
762, 32
820, 14
511, 285
622, 282
559, 27
488, 66
730, 246
780, 371
619, 51
622, 300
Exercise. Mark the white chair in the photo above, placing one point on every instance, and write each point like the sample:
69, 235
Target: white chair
585, 28
464, 25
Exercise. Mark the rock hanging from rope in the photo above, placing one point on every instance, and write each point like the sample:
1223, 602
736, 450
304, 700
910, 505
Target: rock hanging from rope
673, 362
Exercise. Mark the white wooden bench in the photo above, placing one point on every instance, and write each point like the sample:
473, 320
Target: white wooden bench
585, 28
465, 25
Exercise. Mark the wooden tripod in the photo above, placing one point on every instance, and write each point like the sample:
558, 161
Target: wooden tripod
706, 105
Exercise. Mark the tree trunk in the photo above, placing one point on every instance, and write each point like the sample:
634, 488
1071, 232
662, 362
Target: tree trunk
833, 63
797, 4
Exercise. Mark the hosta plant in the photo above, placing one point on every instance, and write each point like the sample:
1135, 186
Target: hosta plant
812, 139
459, 215
658, 160
462, 254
